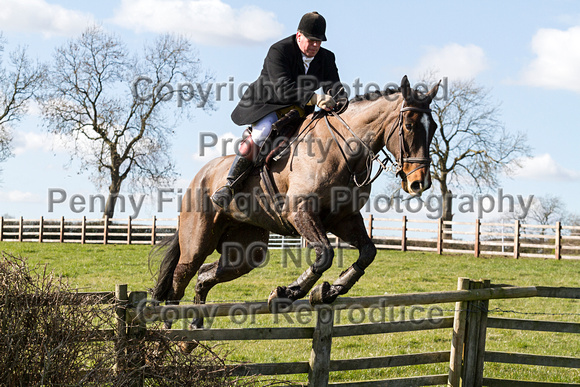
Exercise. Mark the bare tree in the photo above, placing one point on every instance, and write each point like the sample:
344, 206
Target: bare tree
547, 210
544, 210
573, 220
18, 83
471, 145
115, 106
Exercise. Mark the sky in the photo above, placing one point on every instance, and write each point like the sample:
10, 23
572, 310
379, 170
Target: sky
527, 53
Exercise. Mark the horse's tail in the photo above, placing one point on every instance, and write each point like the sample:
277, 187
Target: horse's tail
162, 289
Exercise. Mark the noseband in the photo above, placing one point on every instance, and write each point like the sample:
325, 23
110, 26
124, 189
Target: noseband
401, 160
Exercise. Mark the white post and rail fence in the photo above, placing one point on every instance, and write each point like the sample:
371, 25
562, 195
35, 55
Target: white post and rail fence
513, 239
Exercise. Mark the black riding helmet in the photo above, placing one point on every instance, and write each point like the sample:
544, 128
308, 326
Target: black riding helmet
313, 26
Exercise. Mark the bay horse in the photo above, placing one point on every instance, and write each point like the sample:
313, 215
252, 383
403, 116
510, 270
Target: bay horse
319, 188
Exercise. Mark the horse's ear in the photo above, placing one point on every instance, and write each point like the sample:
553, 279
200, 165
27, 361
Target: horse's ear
406, 88
433, 92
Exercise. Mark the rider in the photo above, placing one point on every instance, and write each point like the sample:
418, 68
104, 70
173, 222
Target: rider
293, 70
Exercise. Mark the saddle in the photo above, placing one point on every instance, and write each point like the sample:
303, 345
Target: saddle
278, 140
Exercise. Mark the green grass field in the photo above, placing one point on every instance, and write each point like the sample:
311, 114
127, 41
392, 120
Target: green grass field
99, 268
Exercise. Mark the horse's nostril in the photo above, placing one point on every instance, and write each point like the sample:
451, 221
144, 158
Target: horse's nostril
416, 186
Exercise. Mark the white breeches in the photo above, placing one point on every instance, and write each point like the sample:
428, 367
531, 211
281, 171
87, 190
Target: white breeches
262, 128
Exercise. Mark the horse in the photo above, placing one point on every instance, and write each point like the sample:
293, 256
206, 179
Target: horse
318, 190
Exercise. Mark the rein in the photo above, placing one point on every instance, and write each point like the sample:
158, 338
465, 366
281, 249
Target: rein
372, 157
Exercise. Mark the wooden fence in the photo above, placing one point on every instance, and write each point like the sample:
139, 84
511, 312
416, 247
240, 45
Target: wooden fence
513, 239
104, 231
468, 330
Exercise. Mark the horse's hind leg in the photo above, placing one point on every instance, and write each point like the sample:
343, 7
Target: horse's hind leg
352, 230
243, 249
198, 238
309, 225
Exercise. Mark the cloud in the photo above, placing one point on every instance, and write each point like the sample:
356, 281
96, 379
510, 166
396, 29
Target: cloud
544, 167
453, 60
557, 61
40, 16
32, 142
204, 21
17, 196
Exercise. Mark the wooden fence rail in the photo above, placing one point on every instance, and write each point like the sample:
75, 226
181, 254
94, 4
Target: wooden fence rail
468, 326
478, 238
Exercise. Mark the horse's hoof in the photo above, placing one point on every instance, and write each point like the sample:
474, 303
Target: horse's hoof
317, 293
322, 294
187, 346
278, 300
197, 323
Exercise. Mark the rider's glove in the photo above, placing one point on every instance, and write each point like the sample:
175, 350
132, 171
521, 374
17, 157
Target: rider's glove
323, 101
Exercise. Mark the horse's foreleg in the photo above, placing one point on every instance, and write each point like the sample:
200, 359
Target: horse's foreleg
352, 231
309, 225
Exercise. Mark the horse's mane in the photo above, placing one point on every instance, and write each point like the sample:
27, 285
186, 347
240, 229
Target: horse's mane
373, 95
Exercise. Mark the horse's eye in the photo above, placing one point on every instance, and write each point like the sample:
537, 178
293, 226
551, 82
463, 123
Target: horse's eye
409, 126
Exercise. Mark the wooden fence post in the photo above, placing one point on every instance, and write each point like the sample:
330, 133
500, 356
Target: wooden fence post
20, 229
121, 301
83, 229
61, 229
516, 239
480, 358
404, 234
318, 373
440, 236
1, 228
135, 333
370, 226
471, 337
475, 338
40, 229
129, 230
153, 229
558, 241
476, 244
459, 322
105, 229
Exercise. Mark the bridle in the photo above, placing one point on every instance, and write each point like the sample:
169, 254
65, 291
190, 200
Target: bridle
372, 157
401, 160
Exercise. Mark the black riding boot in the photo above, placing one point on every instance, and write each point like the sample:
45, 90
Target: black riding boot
223, 196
